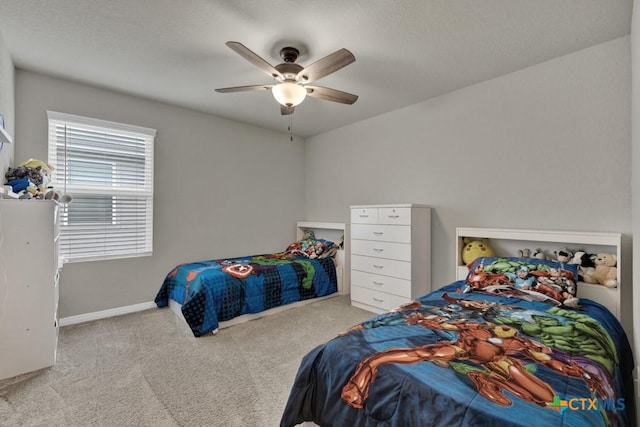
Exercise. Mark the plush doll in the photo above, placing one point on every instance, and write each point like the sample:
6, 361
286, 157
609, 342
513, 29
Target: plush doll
524, 253
564, 255
585, 263
583, 259
605, 271
539, 253
474, 249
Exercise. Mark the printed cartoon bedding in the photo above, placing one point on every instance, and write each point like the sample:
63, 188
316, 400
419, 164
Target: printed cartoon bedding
219, 290
470, 359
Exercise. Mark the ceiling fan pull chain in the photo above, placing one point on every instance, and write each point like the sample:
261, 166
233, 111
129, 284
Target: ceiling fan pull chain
291, 127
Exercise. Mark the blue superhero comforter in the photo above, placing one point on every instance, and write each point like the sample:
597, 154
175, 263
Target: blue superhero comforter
477, 359
219, 290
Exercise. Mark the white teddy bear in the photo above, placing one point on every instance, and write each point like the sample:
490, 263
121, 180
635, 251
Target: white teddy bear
605, 272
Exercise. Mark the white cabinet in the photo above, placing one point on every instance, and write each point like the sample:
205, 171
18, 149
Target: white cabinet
390, 255
29, 274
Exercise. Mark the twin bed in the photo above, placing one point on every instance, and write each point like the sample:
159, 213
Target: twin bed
474, 352
219, 293
481, 351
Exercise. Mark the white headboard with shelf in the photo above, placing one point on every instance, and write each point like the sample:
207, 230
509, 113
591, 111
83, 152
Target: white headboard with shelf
332, 231
507, 242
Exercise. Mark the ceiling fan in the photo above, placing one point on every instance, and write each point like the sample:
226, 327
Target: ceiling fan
291, 86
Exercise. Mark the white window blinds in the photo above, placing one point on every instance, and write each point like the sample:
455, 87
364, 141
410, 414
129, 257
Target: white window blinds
108, 170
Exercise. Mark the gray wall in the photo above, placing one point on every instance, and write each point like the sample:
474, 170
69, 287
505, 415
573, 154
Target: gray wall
222, 188
547, 147
6, 103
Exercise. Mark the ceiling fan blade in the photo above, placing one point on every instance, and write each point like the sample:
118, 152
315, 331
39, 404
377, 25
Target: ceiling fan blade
244, 88
252, 57
325, 66
286, 110
329, 94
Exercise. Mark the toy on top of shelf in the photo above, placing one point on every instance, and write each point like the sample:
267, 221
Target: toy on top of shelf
582, 258
564, 255
585, 263
524, 253
605, 271
474, 249
29, 179
539, 253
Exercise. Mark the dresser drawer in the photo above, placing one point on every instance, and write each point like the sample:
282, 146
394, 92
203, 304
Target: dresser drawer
377, 299
399, 251
377, 282
394, 216
364, 216
386, 267
382, 233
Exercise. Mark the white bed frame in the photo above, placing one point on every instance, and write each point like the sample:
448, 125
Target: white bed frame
507, 242
332, 231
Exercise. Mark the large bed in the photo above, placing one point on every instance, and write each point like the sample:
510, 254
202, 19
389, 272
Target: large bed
478, 353
218, 293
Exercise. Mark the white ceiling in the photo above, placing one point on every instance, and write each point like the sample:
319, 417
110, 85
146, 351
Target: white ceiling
406, 50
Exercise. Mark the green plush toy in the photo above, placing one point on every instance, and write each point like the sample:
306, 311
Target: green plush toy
474, 249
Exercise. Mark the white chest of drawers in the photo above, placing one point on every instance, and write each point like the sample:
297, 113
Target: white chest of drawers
390, 255
29, 273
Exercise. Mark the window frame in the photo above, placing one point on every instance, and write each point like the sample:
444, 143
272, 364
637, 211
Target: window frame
138, 192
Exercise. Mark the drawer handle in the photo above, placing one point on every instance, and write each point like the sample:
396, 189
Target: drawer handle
377, 283
377, 299
378, 233
364, 216
378, 266
378, 249
394, 216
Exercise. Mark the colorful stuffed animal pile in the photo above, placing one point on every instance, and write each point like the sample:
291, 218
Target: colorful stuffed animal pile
29, 179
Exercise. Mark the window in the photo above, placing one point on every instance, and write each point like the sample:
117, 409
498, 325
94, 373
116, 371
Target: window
108, 170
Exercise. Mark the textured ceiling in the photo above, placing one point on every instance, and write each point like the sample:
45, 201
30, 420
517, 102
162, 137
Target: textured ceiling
406, 50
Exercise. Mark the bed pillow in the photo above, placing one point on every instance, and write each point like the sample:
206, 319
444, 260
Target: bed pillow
312, 248
526, 278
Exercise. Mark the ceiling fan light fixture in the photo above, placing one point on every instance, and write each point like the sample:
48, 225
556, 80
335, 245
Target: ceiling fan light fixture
289, 93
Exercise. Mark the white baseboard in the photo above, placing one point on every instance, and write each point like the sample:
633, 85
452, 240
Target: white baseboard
87, 317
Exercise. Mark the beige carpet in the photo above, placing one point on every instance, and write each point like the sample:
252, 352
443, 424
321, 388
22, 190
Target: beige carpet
147, 369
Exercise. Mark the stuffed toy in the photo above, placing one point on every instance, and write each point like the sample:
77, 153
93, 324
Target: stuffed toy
524, 253
564, 255
583, 259
605, 271
474, 249
539, 253
585, 263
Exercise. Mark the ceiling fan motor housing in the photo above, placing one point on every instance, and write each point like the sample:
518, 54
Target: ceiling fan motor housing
289, 54
289, 70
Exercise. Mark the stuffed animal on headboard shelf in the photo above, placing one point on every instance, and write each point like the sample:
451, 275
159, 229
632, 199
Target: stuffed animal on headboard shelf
605, 271
474, 249
583, 259
524, 253
585, 263
564, 255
